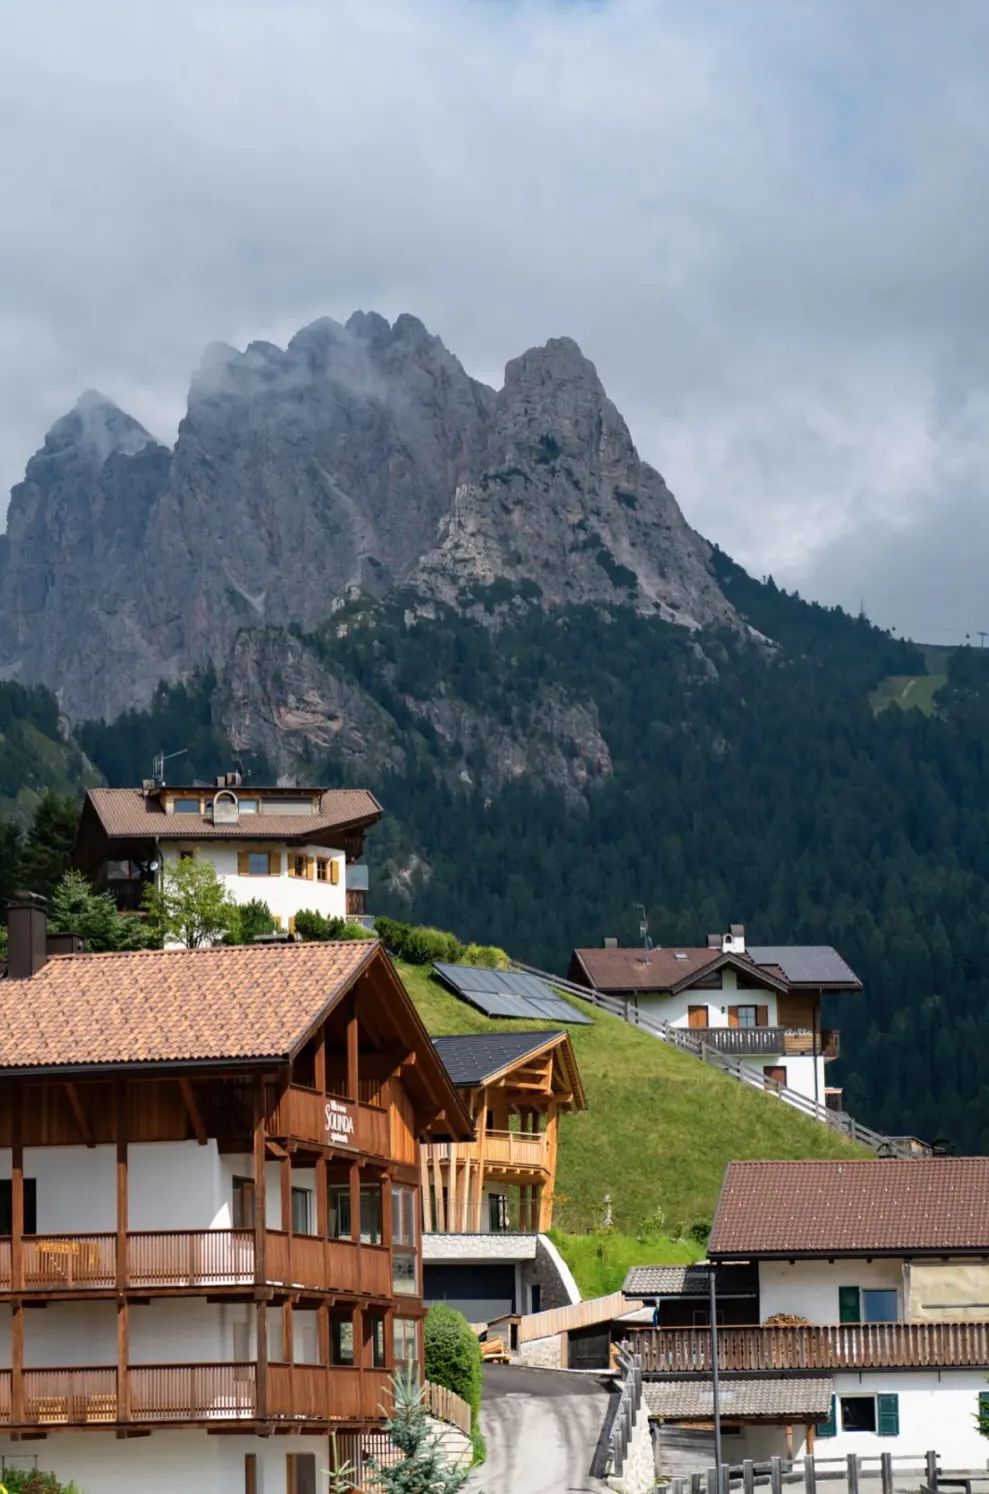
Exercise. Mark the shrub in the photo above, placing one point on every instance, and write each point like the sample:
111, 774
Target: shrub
33, 1481
391, 932
317, 927
425, 945
421, 946
453, 1359
488, 955
252, 918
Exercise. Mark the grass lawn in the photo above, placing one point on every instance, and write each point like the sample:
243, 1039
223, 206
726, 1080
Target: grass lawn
600, 1261
658, 1131
907, 690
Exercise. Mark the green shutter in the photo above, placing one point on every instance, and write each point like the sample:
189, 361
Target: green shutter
828, 1428
849, 1309
888, 1415
984, 1412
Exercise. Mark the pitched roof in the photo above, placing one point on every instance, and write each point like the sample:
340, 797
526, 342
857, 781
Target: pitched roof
667, 1281
692, 1400
472, 1058
664, 969
129, 814
908, 1205
185, 1005
808, 965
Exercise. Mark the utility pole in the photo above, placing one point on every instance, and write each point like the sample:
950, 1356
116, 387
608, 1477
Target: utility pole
715, 1382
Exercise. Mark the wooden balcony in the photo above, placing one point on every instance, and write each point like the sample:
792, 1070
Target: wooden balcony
326, 1120
512, 1151
195, 1394
207, 1259
828, 1346
792, 1042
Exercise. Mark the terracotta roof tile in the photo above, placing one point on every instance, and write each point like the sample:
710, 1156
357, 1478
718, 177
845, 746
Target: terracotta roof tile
853, 1208
667, 1281
154, 1006
692, 1400
643, 969
127, 813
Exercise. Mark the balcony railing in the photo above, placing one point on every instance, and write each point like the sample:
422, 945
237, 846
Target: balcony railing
829, 1346
206, 1258
510, 1149
191, 1393
793, 1042
303, 1115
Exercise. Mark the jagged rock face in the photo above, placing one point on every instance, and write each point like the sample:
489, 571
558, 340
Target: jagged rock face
359, 457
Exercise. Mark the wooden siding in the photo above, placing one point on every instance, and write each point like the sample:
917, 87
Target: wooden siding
854, 1346
300, 1115
317, 1392
580, 1315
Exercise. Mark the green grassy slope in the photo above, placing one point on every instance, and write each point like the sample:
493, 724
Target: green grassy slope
659, 1127
914, 690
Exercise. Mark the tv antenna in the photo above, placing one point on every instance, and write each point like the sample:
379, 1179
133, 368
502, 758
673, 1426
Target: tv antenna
158, 764
643, 926
983, 635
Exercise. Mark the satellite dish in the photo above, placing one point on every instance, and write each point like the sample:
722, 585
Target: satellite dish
152, 866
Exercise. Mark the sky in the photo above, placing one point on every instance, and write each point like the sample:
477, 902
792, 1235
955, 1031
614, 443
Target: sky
764, 220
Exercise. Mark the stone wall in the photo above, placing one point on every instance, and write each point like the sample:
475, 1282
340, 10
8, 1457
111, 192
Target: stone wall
638, 1473
551, 1274
543, 1353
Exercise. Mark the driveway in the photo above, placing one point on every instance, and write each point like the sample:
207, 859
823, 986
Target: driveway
542, 1428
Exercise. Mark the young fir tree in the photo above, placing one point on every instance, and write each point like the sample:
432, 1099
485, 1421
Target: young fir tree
77, 909
423, 1467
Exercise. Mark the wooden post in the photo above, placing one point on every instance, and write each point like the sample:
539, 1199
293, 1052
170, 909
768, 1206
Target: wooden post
120, 1131
322, 1210
451, 1187
438, 1190
465, 1199
427, 1200
323, 1332
930, 1462
387, 1222
748, 1476
886, 1472
123, 1359
285, 1186
288, 1343
17, 1187
17, 1362
482, 1135
776, 1475
260, 1264
319, 1063
357, 1321
353, 1064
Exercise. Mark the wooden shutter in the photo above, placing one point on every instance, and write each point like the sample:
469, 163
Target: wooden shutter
311, 868
335, 872
762, 1016
733, 1016
291, 864
291, 923
243, 863
274, 863
888, 1415
828, 1428
696, 1016
250, 1473
849, 1307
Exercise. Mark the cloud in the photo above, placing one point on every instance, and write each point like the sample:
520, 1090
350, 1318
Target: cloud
764, 222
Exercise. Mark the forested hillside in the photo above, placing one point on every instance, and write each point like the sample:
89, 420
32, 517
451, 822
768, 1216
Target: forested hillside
713, 779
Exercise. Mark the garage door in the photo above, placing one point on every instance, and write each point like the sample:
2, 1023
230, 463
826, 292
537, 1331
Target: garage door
479, 1292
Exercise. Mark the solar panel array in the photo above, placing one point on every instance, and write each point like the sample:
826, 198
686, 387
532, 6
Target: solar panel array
507, 993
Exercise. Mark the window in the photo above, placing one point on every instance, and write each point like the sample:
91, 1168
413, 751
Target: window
248, 806
376, 1333
497, 1212
858, 1413
297, 866
848, 1305
881, 1306
339, 1195
403, 1274
746, 1016
371, 1214
342, 1341
186, 806
403, 1214
406, 1342
302, 1211
321, 869
30, 1206
243, 1209
300, 1473
258, 864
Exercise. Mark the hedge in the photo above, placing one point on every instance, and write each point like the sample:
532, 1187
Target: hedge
453, 1359
423, 946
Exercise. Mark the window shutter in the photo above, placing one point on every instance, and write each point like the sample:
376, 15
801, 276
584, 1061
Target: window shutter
274, 863
335, 871
311, 868
733, 1016
983, 1422
291, 864
762, 1016
243, 863
291, 923
849, 1309
888, 1415
828, 1428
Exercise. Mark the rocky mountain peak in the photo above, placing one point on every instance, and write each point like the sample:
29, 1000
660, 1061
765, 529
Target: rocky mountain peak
92, 431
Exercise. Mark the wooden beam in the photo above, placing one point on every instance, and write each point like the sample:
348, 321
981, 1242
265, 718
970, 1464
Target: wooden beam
438, 1187
123, 1359
427, 1201
288, 1343
17, 1362
353, 1052
319, 1062
120, 1133
17, 1187
451, 1188
189, 1100
482, 1133
260, 1273
81, 1119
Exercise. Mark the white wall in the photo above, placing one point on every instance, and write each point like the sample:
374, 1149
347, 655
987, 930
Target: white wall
673, 1009
174, 1330
937, 1411
810, 1288
167, 1462
284, 895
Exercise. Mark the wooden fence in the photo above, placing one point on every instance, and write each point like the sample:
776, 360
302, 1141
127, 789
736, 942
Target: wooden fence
833, 1346
579, 1315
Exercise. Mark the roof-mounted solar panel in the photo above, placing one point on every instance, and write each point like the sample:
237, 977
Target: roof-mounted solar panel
503, 993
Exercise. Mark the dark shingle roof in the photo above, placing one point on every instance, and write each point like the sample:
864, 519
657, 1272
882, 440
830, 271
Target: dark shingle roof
803, 1399
471, 1058
808, 964
934, 1204
667, 1281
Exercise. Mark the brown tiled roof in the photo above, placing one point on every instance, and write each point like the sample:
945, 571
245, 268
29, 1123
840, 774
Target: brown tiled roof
663, 969
692, 1400
193, 1005
908, 1205
127, 813
667, 1281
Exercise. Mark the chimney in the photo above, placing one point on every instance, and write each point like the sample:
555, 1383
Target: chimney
734, 940
27, 934
610, 943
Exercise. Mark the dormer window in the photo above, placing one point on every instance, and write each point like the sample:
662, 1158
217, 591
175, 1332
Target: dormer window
187, 806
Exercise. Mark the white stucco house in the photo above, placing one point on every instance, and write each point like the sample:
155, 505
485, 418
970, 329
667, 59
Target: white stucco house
292, 848
758, 1004
871, 1329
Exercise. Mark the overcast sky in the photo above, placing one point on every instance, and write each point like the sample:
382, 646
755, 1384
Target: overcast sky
765, 221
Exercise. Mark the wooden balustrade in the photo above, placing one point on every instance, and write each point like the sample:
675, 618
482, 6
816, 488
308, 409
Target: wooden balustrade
193, 1392
205, 1257
64, 1262
829, 1346
328, 1265
319, 1392
78, 1396
303, 1115
515, 1149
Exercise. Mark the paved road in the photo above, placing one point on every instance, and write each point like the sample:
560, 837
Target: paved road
542, 1427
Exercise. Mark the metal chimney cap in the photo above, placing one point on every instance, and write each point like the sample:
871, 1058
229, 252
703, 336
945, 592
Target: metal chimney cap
24, 899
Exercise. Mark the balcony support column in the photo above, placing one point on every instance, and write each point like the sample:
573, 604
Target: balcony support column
260, 1265
353, 1051
354, 1179
123, 1201
17, 1188
123, 1359
17, 1362
285, 1185
482, 1136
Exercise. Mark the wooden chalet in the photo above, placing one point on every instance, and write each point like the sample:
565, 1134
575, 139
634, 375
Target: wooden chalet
514, 1086
209, 1212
